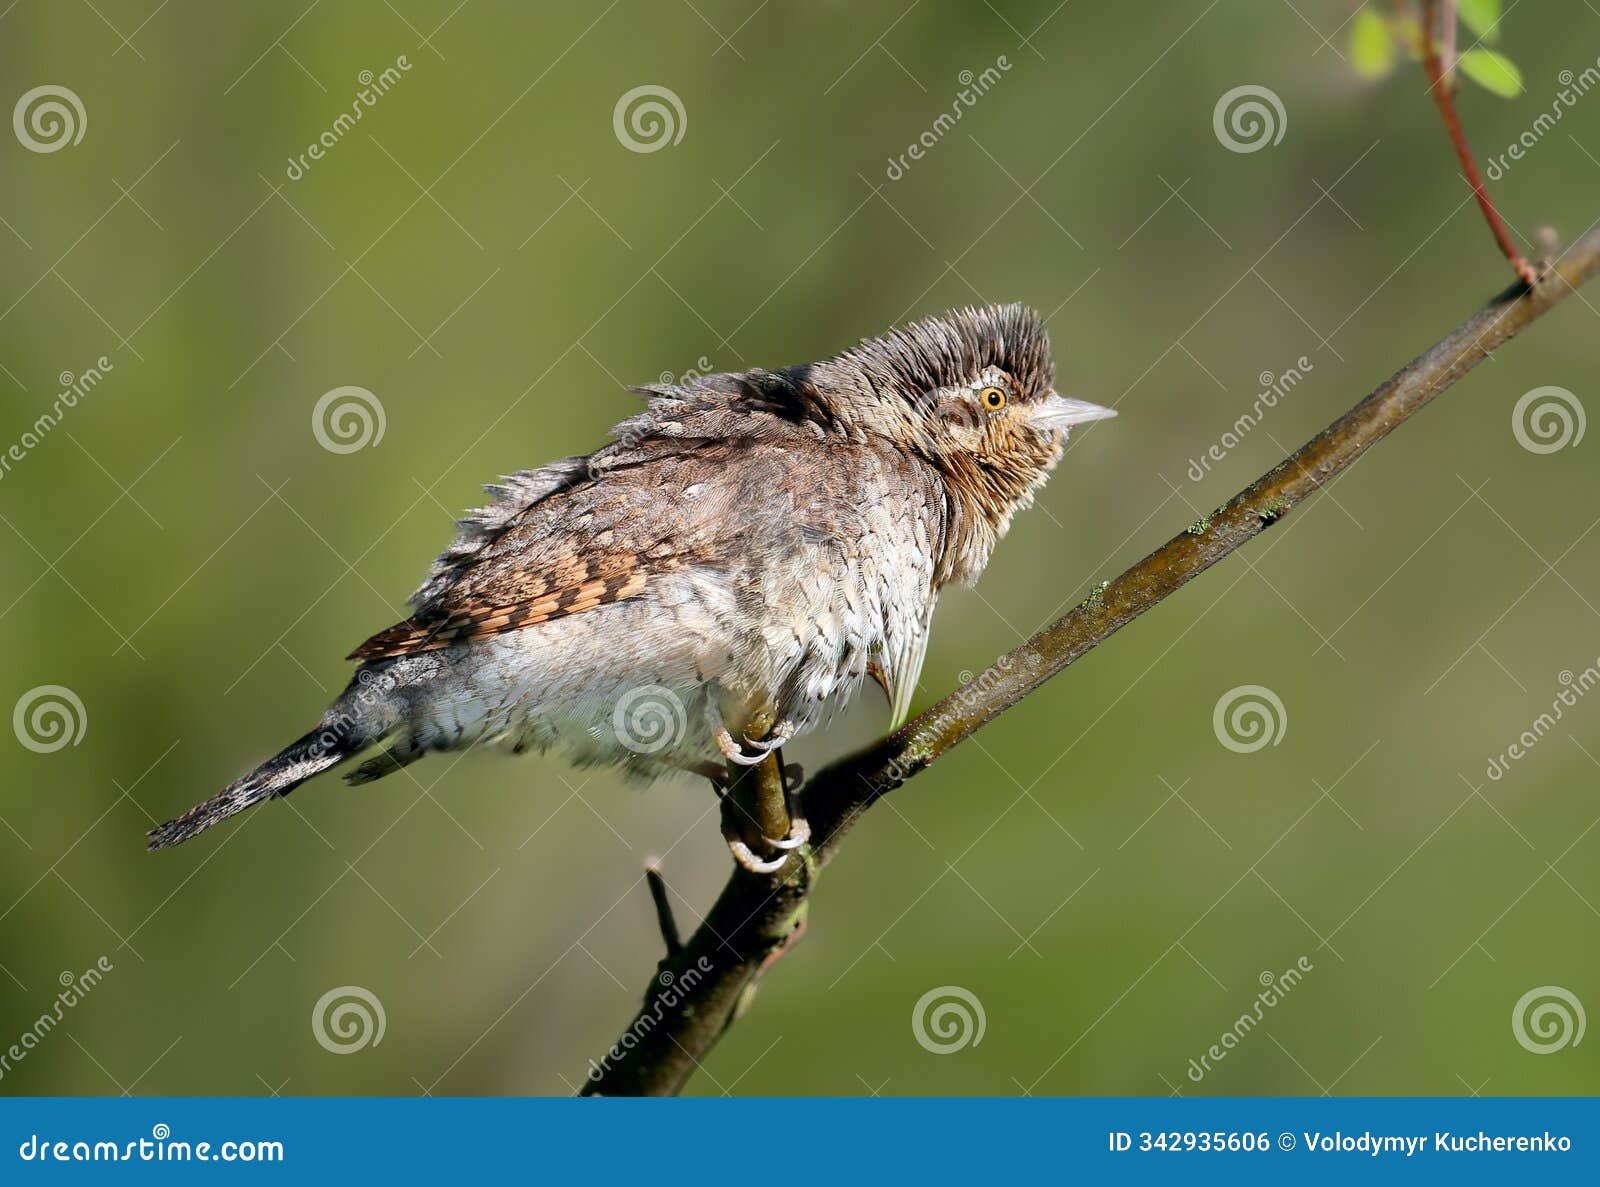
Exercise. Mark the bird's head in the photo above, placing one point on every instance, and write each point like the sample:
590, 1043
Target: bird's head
971, 391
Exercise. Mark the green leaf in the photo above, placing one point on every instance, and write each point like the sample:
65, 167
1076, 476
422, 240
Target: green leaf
1482, 17
1371, 47
1493, 72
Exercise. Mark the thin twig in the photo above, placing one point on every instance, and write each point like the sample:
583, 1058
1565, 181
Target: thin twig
1443, 89
1446, 18
755, 918
665, 919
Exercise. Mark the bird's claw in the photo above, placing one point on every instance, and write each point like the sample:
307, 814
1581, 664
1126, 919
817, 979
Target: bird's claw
746, 858
748, 852
799, 834
736, 754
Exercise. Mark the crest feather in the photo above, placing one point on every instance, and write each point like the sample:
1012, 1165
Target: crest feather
952, 348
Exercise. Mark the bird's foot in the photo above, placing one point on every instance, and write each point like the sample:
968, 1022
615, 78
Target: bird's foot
735, 753
761, 820
799, 834
747, 859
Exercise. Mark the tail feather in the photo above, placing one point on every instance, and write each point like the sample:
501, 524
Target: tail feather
278, 776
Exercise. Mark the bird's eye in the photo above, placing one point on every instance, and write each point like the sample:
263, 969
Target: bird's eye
993, 398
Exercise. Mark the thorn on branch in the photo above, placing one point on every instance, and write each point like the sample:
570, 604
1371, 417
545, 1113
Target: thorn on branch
665, 919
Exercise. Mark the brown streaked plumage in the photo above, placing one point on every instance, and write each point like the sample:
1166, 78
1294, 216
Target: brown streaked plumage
752, 543
428, 634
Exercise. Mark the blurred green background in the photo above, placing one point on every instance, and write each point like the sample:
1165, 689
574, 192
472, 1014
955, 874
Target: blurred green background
484, 255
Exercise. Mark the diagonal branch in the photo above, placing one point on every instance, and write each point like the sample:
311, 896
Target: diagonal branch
701, 988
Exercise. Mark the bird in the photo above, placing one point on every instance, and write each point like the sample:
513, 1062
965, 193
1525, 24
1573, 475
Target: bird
751, 548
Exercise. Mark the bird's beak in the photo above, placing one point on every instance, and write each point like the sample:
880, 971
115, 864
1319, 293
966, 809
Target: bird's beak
1059, 412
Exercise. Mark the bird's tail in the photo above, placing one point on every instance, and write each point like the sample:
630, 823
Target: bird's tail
278, 776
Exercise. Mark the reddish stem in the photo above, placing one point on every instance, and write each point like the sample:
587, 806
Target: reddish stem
1444, 97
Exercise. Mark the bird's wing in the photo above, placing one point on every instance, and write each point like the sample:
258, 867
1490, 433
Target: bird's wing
591, 581
588, 531
477, 534
581, 544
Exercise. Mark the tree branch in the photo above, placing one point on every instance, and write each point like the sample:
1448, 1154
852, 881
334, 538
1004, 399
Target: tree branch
756, 917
